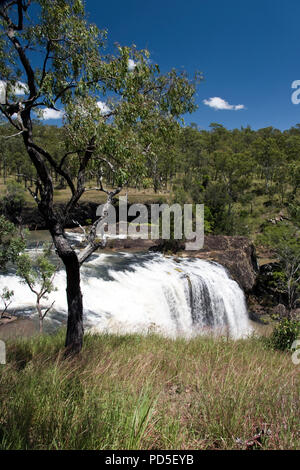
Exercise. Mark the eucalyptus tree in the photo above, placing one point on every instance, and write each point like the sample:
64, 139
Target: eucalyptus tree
11, 245
268, 156
59, 59
38, 274
283, 239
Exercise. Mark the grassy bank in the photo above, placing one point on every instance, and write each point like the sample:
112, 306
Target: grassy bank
135, 392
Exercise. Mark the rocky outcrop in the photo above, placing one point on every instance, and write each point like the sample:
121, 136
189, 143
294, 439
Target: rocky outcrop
236, 254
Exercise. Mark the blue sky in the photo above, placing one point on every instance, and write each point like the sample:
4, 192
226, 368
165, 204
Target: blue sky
249, 52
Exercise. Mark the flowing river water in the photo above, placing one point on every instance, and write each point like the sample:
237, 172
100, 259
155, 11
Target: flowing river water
143, 292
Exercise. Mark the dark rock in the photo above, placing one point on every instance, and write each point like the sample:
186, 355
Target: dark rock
236, 254
256, 311
295, 314
137, 244
280, 310
168, 246
254, 316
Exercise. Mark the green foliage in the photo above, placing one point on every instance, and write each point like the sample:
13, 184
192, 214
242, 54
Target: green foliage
11, 244
13, 201
284, 240
126, 117
284, 334
38, 274
229, 170
280, 236
294, 211
131, 118
5, 296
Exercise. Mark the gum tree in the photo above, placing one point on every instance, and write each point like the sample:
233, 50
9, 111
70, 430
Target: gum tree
11, 245
283, 239
58, 59
38, 274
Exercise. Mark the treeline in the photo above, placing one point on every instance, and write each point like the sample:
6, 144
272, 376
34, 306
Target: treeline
14, 160
235, 173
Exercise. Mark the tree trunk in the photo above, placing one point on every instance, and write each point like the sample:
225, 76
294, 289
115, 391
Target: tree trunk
74, 336
38, 307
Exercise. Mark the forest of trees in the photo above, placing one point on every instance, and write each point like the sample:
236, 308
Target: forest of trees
238, 174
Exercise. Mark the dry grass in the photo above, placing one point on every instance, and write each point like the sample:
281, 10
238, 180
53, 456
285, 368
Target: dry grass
63, 195
135, 392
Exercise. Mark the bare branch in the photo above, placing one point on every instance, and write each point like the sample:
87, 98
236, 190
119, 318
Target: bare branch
65, 156
55, 166
82, 228
107, 162
93, 242
48, 309
13, 135
34, 194
45, 62
8, 117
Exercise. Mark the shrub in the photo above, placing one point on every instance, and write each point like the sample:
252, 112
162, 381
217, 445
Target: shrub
13, 201
284, 334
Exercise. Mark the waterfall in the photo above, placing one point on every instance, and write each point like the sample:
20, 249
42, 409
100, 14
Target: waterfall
147, 292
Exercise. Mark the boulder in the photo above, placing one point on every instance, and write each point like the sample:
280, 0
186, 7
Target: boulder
280, 310
295, 314
236, 254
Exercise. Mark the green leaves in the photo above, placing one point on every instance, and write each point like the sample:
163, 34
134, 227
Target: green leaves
11, 244
5, 296
284, 242
37, 273
120, 102
284, 334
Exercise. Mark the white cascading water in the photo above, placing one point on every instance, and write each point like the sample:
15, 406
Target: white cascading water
125, 293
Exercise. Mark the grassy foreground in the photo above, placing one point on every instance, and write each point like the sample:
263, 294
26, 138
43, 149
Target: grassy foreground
135, 392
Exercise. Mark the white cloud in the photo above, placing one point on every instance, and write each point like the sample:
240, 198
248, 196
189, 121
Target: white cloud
49, 113
103, 107
239, 106
220, 104
131, 65
19, 89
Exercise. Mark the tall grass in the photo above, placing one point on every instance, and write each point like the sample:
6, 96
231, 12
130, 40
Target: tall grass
136, 392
